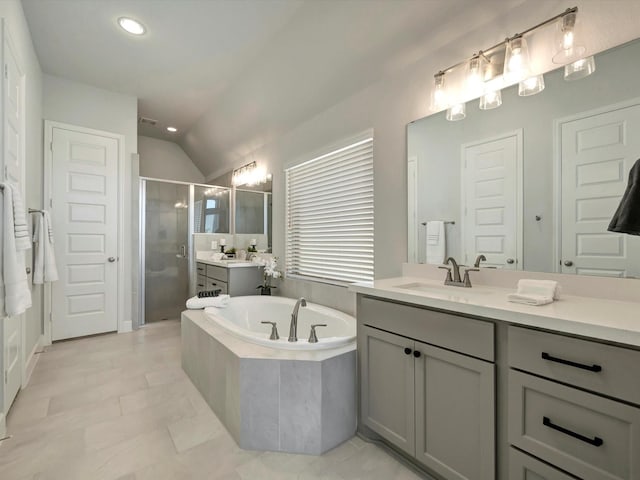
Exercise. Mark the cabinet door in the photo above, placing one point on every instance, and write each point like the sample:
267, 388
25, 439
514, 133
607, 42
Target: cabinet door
455, 414
387, 387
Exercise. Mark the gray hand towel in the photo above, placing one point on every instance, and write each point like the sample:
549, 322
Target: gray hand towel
627, 216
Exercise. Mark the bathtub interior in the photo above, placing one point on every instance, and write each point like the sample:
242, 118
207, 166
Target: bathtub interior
247, 313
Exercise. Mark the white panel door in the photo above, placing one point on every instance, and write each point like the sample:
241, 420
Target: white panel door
491, 206
84, 191
597, 153
13, 156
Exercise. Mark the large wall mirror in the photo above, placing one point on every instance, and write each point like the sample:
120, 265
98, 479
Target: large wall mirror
533, 184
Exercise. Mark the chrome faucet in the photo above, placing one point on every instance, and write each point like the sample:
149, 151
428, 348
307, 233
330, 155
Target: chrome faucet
455, 280
293, 327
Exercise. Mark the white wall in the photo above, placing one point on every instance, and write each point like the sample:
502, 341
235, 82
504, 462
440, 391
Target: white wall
166, 160
11, 11
86, 106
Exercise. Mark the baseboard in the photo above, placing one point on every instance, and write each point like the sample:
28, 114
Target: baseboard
126, 327
32, 360
3, 426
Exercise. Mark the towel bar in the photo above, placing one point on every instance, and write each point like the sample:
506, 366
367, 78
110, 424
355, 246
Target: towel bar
448, 222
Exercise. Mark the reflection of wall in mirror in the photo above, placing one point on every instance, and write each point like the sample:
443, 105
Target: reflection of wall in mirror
437, 145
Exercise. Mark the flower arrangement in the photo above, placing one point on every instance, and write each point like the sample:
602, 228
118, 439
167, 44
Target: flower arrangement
269, 271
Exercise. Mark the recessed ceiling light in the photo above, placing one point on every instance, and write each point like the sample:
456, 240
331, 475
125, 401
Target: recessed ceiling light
132, 26
172, 129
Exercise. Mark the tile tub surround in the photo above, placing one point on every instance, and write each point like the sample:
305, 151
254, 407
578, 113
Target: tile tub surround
275, 400
613, 320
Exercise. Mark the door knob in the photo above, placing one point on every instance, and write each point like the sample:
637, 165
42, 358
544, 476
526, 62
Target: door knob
568, 263
510, 261
28, 270
111, 259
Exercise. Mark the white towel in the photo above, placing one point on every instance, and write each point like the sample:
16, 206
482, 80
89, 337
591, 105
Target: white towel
44, 265
530, 299
195, 303
21, 231
436, 242
17, 296
545, 288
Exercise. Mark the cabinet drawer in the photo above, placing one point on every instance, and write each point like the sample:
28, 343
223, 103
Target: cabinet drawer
584, 434
201, 269
216, 284
201, 283
525, 467
466, 335
219, 273
590, 365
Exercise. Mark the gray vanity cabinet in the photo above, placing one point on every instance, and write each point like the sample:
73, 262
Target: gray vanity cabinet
435, 404
236, 281
388, 387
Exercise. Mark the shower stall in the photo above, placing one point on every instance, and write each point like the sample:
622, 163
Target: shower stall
172, 216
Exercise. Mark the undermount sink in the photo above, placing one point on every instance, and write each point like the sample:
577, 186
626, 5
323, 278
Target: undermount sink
440, 289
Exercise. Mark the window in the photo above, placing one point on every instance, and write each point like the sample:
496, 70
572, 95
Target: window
330, 215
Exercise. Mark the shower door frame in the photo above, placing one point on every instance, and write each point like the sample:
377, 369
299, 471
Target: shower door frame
142, 240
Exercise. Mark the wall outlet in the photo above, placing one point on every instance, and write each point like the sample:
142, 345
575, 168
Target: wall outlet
214, 244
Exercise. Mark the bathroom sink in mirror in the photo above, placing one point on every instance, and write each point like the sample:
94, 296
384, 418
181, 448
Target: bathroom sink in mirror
533, 184
442, 289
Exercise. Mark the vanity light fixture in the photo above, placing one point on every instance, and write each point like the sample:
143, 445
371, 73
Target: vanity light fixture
132, 26
508, 62
249, 174
531, 86
568, 48
475, 75
516, 59
439, 95
172, 129
580, 69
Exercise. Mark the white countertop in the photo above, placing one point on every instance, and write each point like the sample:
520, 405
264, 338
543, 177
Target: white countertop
609, 320
231, 263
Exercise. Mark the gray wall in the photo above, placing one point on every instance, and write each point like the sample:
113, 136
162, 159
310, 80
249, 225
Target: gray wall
436, 142
90, 107
11, 11
166, 160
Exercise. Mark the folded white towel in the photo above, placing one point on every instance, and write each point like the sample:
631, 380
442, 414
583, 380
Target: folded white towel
530, 299
195, 303
545, 288
17, 296
436, 242
21, 231
44, 265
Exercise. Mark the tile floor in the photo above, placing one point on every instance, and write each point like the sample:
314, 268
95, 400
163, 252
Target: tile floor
120, 407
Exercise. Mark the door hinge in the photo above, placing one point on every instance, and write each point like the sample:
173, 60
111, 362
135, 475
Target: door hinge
51, 203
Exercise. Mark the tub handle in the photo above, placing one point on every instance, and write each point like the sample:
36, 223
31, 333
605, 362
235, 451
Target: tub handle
274, 330
313, 338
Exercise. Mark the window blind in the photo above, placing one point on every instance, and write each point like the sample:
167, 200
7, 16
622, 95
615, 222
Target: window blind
330, 215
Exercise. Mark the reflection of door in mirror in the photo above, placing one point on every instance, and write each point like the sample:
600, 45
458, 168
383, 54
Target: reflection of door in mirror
492, 201
597, 151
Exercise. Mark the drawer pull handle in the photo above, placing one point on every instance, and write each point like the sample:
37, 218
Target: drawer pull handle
200, 285
591, 368
416, 354
407, 351
595, 441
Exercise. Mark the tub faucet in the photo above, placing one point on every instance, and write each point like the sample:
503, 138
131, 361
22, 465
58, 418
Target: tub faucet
293, 328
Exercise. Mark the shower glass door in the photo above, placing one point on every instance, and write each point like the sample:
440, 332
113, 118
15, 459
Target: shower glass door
166, 249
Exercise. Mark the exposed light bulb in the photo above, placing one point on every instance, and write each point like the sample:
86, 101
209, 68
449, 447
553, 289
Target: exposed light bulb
172, 129
439, 97
475, 72
567, 48
516, 60
132, 26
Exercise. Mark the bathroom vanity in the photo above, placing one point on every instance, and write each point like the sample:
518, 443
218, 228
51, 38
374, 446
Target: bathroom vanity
468, 385
235, 277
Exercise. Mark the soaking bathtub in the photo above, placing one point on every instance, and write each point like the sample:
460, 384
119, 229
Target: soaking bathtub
295, 397
242, 318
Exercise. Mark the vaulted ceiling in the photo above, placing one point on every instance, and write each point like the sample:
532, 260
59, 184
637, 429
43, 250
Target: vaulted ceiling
232, 75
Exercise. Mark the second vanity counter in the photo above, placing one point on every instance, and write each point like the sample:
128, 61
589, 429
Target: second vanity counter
607, 320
